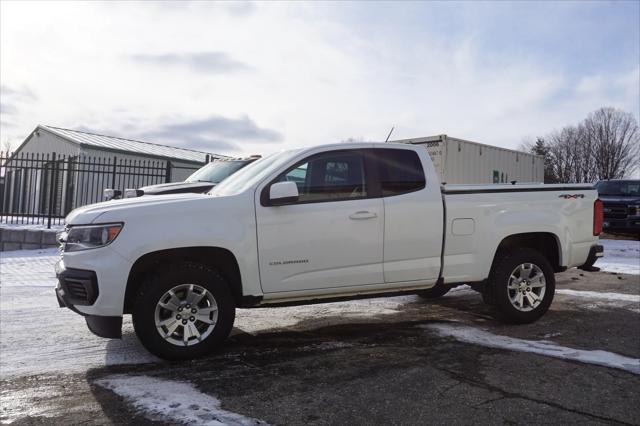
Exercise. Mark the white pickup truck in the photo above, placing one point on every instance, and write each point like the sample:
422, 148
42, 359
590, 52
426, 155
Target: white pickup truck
313, 225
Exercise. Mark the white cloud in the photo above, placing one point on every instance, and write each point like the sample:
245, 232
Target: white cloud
308, 73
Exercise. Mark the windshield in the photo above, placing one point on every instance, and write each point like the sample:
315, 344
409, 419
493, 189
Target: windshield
217, 171
619, 187
253, 173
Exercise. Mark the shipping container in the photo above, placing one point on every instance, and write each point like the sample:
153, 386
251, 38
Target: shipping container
460, 161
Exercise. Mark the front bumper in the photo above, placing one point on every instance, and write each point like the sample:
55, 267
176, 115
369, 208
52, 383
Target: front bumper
77, 287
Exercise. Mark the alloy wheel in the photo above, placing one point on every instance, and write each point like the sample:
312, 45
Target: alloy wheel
526, 287
186, 314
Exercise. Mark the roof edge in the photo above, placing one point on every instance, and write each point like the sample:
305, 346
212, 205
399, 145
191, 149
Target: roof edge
53, 129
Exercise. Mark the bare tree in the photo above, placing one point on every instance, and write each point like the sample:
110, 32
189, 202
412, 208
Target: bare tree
566, 154
614, 139
606, 145
6, 146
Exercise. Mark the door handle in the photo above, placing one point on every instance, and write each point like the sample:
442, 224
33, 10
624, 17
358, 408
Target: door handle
361, 215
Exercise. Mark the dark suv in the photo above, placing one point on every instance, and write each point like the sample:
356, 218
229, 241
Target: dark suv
621, 202
201, 181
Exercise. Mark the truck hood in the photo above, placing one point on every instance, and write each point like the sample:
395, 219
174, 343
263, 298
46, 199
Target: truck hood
177, 187
90, 213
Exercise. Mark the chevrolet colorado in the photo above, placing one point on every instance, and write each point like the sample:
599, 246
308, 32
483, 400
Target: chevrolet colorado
314, 225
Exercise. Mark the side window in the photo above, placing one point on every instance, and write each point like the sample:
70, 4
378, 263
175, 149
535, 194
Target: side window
297, 175
329, 177
400, 171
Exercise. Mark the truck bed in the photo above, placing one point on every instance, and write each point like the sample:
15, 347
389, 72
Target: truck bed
479, 217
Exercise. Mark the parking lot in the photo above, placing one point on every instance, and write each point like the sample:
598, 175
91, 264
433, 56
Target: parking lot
399, 360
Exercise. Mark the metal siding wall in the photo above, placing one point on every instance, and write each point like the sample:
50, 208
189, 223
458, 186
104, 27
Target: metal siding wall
467, 165
437, 156
47, 143
178, 173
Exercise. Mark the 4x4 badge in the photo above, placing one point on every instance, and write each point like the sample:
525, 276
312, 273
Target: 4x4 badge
570, 196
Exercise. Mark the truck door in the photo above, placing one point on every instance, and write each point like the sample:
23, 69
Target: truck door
332, 236
413, 219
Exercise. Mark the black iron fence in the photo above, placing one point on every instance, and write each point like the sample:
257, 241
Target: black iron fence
44, 188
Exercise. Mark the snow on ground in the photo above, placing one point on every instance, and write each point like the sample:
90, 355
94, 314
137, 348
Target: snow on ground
477, 336
40, 338
600, 300
618, 297
622, 256
24, 268
173, 401
260, 319
37, 337
21, 403
24, 225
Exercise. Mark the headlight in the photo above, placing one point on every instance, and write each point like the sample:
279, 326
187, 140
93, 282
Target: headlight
635, 210
91, 236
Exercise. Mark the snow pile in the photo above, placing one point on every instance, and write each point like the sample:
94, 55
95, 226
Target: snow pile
541, 347
172, 401
618, 297
622, 256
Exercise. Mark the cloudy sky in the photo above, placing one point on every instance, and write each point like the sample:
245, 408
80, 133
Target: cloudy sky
259, 77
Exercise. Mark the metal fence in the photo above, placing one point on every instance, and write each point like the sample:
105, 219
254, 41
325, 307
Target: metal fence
44, 188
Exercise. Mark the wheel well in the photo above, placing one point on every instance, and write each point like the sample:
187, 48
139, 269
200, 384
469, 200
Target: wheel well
544, 242
214, 257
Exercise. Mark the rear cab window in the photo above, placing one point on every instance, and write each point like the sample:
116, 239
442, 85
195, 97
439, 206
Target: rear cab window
400, 171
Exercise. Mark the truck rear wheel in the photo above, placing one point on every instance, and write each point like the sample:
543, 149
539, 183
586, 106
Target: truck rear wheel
522, 286
183, 311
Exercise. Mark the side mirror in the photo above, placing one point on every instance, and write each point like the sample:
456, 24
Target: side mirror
282, 193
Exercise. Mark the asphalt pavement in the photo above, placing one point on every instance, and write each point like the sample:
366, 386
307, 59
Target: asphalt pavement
443, 361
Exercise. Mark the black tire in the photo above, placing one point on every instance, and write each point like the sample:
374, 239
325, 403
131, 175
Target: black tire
499, 294
434, 292
167, 278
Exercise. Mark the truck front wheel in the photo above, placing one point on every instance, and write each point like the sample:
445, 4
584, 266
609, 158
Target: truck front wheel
522, 286
183, 311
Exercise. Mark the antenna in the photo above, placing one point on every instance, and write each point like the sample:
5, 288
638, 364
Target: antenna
389, 135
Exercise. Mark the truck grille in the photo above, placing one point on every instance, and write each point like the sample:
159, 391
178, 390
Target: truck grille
615, 211
77, 290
